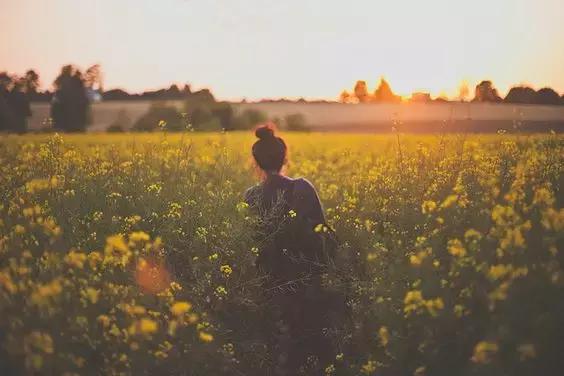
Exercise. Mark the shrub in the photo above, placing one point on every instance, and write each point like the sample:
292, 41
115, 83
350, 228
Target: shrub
121, 123
160, 115
296, 122
249, 118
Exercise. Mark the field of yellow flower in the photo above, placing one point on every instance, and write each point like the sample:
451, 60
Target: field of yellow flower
134, 254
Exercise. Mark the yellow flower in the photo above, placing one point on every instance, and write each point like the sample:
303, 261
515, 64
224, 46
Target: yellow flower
413, 296
459, 310
205, 337
75, 259
384, 336
94, 258
116, 243
499, 271
456, 248
449, 201
553, 219
428, 207
220, 291
143, 326
420, 371
371, 256
471, 235
175, 286
39, 341
226, 270
320, 228
104, 320
434, 305
44, 292
7, 283
37, 185
484, 352
92, 294
139, 236
418, 258
527, 351
148, 326
368, 368
543, 197
134, 309
180, 308
116, 252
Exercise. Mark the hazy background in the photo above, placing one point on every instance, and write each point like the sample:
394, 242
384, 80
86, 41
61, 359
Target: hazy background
291, 48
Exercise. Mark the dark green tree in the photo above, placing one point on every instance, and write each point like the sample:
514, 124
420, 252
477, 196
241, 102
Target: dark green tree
70, 105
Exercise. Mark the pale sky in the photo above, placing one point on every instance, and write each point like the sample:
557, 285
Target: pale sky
289, 48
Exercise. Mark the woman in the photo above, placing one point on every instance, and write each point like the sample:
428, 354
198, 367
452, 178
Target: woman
296, 251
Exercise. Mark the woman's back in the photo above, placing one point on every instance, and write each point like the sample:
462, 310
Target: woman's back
289, 211
293, 256
298, 195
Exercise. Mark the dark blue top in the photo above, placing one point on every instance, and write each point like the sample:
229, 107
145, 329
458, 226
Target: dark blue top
299, 193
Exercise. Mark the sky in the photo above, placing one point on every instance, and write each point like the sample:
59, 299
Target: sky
291, 48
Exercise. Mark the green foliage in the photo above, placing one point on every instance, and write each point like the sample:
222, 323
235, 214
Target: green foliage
249, 119
296, 122
160, 115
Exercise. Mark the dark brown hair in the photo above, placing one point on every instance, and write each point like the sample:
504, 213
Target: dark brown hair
269, 150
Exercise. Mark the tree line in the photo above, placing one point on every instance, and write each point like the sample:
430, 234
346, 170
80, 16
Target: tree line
483, 92
75, 90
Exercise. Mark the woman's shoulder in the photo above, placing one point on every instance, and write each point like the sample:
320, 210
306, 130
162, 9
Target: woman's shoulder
252, 193
303, 183
303, 186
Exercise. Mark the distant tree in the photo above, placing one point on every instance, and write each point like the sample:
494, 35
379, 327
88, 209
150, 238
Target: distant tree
223, 112
249, 119
384, 93
93, 78
19, 106
70, 105
14, 104
485, 92
345, 97
547, 95
463, 91
361, 91
198, 109
6, 116
420, 98
296, 122
173, 92
160, 116
116, 94
186, 90
203, 95
31, 83
520, 94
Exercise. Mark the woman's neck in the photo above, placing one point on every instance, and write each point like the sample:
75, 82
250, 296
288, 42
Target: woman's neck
268, 175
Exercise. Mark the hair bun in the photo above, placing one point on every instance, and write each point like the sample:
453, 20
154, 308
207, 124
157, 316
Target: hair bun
264, 132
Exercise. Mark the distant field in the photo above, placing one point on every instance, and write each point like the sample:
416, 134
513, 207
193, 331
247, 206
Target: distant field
365, 117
